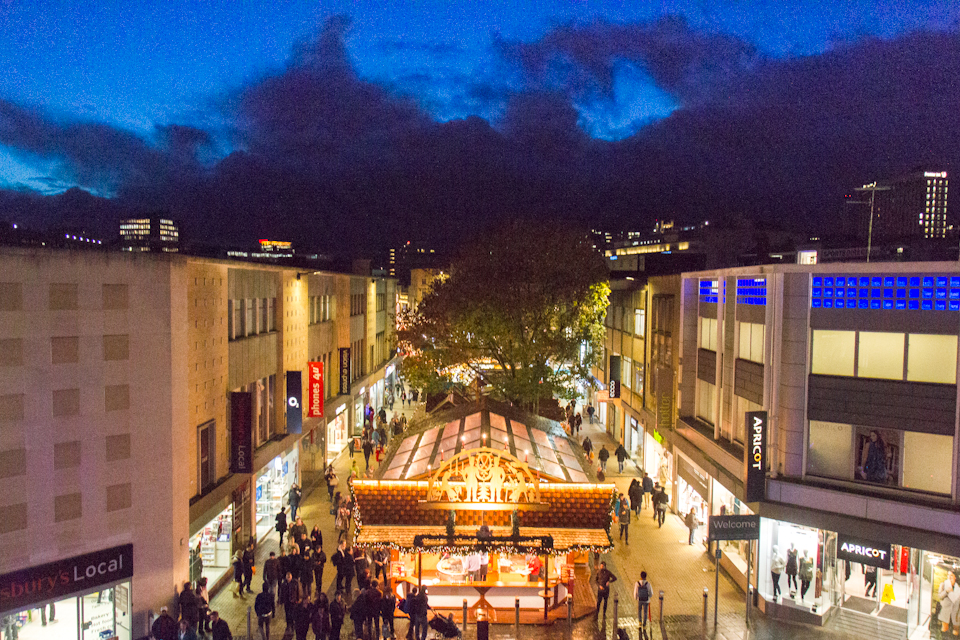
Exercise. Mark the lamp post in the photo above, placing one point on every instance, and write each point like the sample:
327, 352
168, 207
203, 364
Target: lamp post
872, 188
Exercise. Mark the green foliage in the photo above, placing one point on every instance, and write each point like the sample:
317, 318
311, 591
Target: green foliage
517, 309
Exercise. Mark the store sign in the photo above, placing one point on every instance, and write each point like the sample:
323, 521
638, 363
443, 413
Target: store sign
614, 378
345, 371
241, 432
734, 527
294, 402
874, 554
53, 581
665, 400
613, 390
314, 389
756, 455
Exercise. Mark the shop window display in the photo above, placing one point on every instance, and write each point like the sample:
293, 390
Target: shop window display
210, 548
94, 616
726, 504
273, 488
791, 566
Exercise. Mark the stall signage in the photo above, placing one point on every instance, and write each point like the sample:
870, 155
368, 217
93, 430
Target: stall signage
241, 432
53, 581
315, 390
874, 554
294, 402
756, 455
734, 527
345, 371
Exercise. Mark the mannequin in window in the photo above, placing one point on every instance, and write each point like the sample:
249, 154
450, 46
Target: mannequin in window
873, 459
806, 573
791, 570
777, 563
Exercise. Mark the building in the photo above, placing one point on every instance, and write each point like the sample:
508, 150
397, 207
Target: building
144, 421
913, 206
421, 282
830, 358
149, 234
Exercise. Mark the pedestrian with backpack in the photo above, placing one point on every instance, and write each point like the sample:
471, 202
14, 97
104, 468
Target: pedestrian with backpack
643, 594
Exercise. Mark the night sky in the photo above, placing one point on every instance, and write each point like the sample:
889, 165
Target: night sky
360, 123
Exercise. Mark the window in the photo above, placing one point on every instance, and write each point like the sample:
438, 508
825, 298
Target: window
927, 462
830, 451
639, 322
880, 355
638, 378
706, 405
708, 333
67, 507
249, 317
206, 458
742, 407
264, 324
233, 319
625, 366
932, 358
751, 342
833, 353
119, 496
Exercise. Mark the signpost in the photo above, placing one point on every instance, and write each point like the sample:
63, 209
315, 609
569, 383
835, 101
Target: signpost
733, 528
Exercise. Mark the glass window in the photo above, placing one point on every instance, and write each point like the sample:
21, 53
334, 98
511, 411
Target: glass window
833, 352
830, 452
740, 423
625, 377
880, 355
639, 322
751, 341
932, 358
706, 407
927, 462
708, 333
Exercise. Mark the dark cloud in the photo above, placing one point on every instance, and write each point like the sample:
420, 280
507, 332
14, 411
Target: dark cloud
327, 159
584, 58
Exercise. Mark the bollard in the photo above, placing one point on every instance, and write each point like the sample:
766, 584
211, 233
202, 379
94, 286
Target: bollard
616, 619
661, 607
570, 610
464, 616
516, 612
249, 625
706, 596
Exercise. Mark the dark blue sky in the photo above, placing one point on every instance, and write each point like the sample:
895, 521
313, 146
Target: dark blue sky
130, 99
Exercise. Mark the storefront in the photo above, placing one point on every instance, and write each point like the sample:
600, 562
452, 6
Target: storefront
211, 548
82, 598
338, 431
724, 503
634, 437
657, 461
693, 491
313, 460
359, 407
273, 487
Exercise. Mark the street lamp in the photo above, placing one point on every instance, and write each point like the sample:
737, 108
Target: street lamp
872, 188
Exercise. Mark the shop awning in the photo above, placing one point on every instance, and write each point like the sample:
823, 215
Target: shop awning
401, 537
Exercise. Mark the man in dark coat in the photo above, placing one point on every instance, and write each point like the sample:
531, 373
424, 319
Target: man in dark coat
293, 499
349, 570
337, 560
271, 572
635, 493
622, 456
338, 611
647, 486
219, 629
604, 578
290, 597
266, 609
189, 606
281, 524
249, 562
603, 455
165, 627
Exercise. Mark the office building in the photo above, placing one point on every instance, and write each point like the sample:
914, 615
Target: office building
149, 234
913, 206
145, 424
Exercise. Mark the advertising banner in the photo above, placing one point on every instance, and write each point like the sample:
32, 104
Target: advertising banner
56, 580
874, 554
315, 389
241, 432
294, 402
345, 371
734, 527
756, 455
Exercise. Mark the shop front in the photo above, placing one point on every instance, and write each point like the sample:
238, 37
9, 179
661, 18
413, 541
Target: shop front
693, 491
86, 597
313, 460
211, 548
273, 488
724, 503
658, 461
338, 431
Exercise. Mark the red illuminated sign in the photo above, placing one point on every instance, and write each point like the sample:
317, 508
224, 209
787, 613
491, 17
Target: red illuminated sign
315, 389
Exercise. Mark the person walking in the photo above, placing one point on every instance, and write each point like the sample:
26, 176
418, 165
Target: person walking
349, 569
265, 608
419, 608
624, 516
660, 501
319, 560
647, 485
590, 412
271, 572
320, 620
304, 618
588, 448
373, 598
297, 529
337, 559
643, 594
306, 576
622, 456
603, 455
338, 611
219, 629
635, 493
603, 578
290, 597
692, 522
189, 606
358, 615
249, 565
293, 499
388, 610
367, 450
186, 633
331, 477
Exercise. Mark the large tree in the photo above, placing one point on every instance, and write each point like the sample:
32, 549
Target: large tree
522, 310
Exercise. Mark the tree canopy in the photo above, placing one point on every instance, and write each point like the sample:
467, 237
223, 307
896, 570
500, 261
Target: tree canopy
522, 309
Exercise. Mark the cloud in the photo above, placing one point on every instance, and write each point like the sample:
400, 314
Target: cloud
584, 59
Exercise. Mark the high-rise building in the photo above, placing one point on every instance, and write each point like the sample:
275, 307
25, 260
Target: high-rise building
149, 234
913, 206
